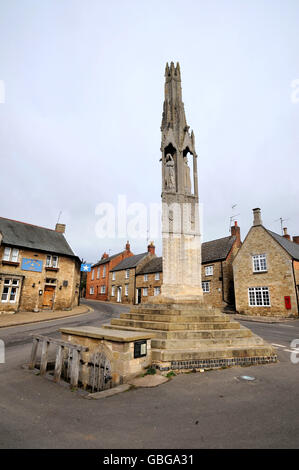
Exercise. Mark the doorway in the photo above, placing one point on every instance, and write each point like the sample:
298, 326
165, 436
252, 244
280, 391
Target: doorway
118, 299
138, 296
48, 299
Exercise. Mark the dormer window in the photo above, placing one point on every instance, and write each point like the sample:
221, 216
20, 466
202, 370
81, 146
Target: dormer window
11, 254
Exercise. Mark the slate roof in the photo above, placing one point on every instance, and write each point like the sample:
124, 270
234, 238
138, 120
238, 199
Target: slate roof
153, 266
25, 235
130, 262
106, 260
291, 247
216, 250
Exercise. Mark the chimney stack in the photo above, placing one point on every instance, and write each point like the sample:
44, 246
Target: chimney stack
105, 255
257, 220
296, 239
151, 248
285, 233
128, 248
235, 231
60, 228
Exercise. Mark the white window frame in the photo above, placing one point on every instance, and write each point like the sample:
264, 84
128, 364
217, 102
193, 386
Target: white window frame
259, 297
92, 274
10, 254
145, 292
206, 286
10, 284
209, 270
126, 289
98, 272
104, 271
103, 289
113, 291
157, 276
52, 261
157, 290
127, 274
113, 276
91, 290
145, 277
259, 263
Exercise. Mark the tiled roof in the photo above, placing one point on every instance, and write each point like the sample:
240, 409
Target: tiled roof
25, 235
216, 250
130, 262
106, 260
153, 266
291, 247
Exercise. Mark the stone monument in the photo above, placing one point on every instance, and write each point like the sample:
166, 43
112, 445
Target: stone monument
187, 334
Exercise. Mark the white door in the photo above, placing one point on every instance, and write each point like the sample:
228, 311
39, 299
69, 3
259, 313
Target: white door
118, 294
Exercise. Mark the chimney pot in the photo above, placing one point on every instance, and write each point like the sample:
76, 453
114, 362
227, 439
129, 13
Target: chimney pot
105, 255
285, 233
128, 248
151, 248
60, 228
257, 220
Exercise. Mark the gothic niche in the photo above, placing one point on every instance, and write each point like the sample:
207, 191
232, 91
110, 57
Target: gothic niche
187, 177
170, 168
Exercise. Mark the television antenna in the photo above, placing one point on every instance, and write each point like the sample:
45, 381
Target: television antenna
233, 215
281, 223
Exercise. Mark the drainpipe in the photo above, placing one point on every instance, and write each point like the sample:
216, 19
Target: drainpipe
295, 287
222, 283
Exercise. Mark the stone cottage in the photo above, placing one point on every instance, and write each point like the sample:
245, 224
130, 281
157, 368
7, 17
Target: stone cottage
38, 268
122, 278
149, 280
97, 281
266, 272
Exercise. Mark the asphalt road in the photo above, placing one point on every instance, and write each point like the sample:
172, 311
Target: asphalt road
213, 409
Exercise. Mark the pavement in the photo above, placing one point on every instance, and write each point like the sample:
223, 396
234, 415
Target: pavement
22, 318
260, 319
214, 410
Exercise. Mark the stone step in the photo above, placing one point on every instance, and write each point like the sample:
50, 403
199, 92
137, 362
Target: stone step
167, 355
176, 311
190, 334
198, 343
175, 318
175, 326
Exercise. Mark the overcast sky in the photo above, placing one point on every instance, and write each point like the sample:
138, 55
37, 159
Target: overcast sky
84, 84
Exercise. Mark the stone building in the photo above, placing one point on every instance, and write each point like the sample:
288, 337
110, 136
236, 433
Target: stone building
149, 280
97, 281
266, 272
122, 278
38, 268
216, 269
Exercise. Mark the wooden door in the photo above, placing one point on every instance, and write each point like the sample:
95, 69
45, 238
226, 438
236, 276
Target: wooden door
48, 299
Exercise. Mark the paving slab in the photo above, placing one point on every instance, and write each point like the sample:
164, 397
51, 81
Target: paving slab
110, 392
149, 381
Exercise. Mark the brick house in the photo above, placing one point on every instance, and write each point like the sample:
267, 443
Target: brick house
149, 280
97, 281
122, 278
38, 268
266, 272
216, 268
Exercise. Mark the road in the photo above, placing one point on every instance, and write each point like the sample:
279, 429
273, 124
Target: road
214, 409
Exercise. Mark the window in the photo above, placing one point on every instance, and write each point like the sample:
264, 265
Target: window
98, 273
91, 290
104, 271
10, 290
145, 278
92, 275
259, 263
113, 276
127, 273
206, 286
259, 296
112, 291
11, 254
52, 261
209, 270
157, 290
127, 289
50, 280
145, 292
103, 289
157, 276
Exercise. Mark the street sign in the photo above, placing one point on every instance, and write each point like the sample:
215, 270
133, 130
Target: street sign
86, 267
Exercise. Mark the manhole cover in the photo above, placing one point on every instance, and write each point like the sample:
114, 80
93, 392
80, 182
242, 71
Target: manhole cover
247, 377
